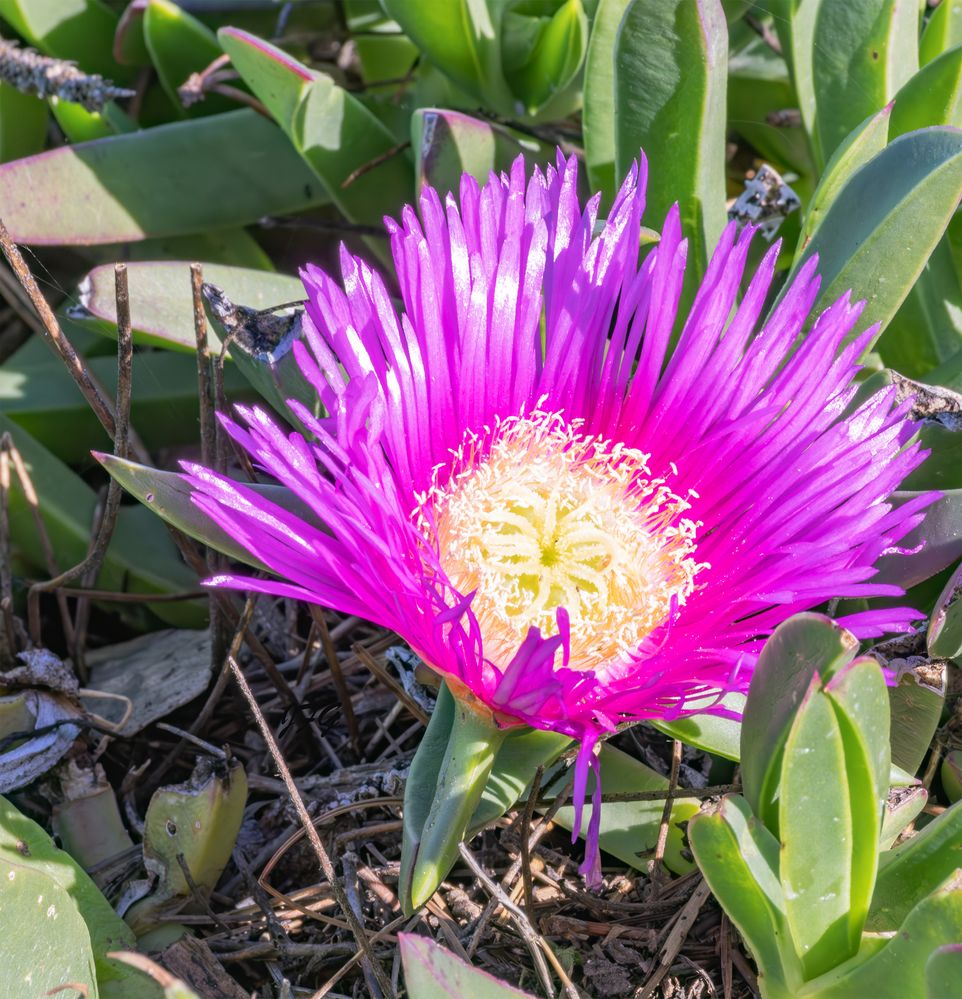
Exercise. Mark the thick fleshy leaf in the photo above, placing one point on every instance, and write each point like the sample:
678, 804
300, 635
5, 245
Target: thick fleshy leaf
882, 226
898, 969
463, 39
598, 114
225, 170
915, 868
80, 125
916, 703
448, 144
951, 775
190, 827
860, 146
24, 843
933, 96
902, 806
48, 946
739, 859
802, 646
945, 625
629, 829
758, 87
942, 32
711, 733
366, 175
141, 557
168, 496
859, 697
179, 45
861, 54
794, 21
81, 30
160, 299
431, 972
384, 53
44, 399
451, 783
518, 758
943, 970
938, 540
542, 50
23, 124
421, 785
927, 329
829, 821
671, 64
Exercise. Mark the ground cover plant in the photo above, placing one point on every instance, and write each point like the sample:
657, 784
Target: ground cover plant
480, 498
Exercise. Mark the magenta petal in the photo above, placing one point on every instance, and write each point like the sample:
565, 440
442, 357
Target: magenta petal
514, 301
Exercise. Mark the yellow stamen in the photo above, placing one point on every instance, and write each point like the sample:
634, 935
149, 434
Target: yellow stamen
534, 516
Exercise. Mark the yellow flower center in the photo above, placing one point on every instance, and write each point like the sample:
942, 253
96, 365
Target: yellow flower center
534, 516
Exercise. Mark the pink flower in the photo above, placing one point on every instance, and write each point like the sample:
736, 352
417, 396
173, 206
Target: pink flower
561, 513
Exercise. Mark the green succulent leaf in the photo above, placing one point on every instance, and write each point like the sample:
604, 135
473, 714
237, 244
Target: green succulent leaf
443, 790
899, 967
463, 39
829, 820
365, 172
448, 144
880, 229
518, 758
191, 176
629, 829
799, 648
861, 54
916, 703
671, 63
901, 808
79, 30
179, 45
169, 497
942, 32
711, 733
141, 557
598, 115
160, 300
542, 50
431, 972
943, 972
74, 939
938, 539
951, 775
739, 859
23, 124
915, 868
860, 145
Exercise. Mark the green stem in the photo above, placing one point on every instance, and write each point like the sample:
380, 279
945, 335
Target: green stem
442, 793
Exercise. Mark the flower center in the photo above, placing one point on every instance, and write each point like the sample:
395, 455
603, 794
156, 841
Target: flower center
535, 516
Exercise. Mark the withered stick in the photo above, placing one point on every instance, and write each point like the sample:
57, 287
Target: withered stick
54, 335
538, 947
7, 632
108, 521
125, 377
655, 873
337, 675
313, 837
204, 391
13, 456
208, 449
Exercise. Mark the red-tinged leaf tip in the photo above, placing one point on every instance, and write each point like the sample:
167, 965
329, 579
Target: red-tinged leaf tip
278, 55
